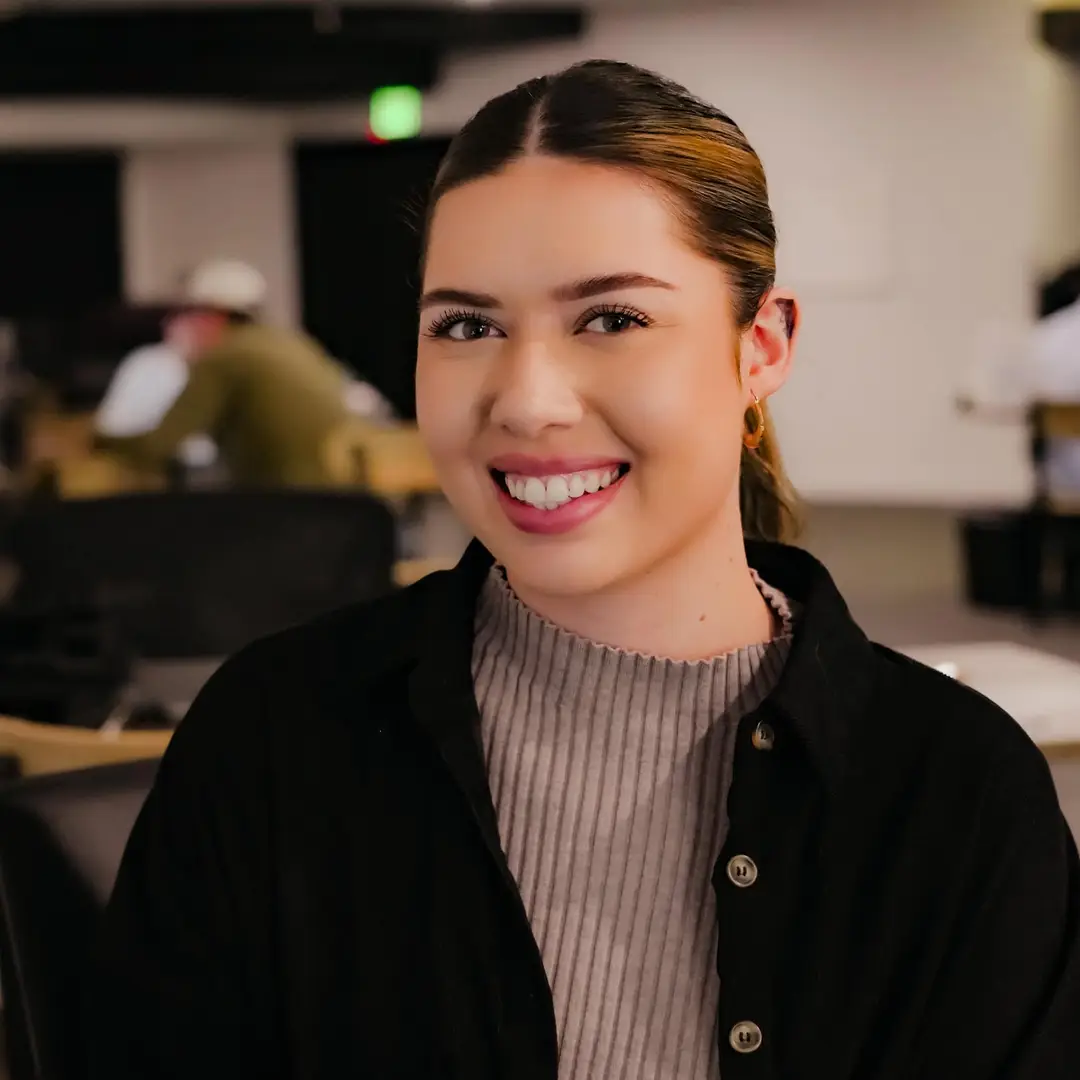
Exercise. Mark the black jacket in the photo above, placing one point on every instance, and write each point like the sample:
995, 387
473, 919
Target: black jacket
315, 888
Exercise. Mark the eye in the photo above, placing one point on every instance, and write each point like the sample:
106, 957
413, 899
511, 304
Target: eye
463, 326
613, 320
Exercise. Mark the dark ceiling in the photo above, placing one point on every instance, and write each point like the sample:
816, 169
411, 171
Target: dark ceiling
249, 52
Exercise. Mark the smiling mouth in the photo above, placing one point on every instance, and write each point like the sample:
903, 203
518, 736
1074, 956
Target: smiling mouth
553, 492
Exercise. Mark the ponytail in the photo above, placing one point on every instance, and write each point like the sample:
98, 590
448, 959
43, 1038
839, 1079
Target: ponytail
766, 499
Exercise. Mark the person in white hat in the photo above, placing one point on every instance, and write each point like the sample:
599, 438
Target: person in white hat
268, 396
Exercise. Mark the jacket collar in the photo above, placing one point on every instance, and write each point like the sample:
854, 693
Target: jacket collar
826, 683
822, 692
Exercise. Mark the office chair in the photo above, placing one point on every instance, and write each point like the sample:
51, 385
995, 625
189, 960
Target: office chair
61, 841
1054, 520
202, 573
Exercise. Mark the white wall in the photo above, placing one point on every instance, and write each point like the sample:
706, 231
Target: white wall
183, 205
899, 141
1056, 92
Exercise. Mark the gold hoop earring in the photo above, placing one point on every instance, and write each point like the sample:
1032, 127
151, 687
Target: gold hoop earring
752, 439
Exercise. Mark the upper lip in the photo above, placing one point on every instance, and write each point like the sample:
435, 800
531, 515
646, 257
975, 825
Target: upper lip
524, 465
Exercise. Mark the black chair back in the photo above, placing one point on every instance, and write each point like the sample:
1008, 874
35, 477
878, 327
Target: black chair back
202, 573
61, 841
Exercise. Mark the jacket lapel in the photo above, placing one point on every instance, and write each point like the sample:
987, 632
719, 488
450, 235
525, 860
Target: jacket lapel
441, 689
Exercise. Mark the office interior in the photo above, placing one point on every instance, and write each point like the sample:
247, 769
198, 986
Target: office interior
924, 161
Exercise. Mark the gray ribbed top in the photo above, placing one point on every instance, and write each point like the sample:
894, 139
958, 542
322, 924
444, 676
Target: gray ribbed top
610, 772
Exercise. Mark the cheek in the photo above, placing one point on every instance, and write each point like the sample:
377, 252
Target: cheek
446, 403
679, 407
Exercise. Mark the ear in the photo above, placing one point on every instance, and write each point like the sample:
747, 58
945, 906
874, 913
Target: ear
768, 344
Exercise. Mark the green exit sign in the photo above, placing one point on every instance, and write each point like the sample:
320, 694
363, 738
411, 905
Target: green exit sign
395, 112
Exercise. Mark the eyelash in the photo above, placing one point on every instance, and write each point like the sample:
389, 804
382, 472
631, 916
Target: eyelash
441, 326
632, 313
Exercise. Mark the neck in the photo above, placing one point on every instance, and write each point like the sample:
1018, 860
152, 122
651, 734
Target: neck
700, 602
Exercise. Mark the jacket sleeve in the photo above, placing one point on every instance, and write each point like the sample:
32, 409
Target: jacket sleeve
182, 981
1007, 1004
197, 411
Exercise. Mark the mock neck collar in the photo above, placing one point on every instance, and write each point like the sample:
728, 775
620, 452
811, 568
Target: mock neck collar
821, 691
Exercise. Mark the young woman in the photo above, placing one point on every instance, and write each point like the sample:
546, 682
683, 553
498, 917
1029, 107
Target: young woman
624, 795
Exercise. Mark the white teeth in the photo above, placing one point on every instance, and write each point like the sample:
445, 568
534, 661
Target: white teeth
535, 491
551, 492
558, 490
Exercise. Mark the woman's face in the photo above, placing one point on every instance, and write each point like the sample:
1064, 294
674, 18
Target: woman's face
577, 386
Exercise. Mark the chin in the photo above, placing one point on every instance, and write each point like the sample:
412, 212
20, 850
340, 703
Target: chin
582, 567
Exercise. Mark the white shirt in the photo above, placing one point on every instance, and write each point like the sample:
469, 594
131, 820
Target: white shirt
1054, 360
143, 388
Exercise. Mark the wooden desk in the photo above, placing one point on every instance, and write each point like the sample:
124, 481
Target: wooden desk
49, 748
52, 436
100, 475
1040, 691
390, 460
61, 445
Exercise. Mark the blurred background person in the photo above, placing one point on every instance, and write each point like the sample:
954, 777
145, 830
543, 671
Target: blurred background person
1052, 359
143, 388
1017, 366
270, 397
1053, 371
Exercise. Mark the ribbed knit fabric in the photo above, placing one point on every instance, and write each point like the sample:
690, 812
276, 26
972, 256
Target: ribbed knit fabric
610, 773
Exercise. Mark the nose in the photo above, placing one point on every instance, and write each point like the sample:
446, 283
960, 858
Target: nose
531, 392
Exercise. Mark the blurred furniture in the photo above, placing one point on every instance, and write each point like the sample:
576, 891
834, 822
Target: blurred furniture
1040, 691
1002, 563
409, 571
58, 449
51, 435
173, 684
68, 665
1052, 420
1053, 515
200, 574
98, 475
389, 460
51, 748
61, 841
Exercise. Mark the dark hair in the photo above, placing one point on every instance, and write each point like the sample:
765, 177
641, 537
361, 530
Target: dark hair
617, 114
1060, 291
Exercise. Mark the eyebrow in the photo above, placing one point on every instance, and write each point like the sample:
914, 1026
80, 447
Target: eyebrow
575, 290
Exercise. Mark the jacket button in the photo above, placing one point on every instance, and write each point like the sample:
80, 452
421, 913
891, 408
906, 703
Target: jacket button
764, 737
742, 871
746, 1037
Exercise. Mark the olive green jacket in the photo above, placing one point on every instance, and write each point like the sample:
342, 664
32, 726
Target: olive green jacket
268, 396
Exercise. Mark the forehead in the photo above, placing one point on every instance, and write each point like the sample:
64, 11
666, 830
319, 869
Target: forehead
543, 221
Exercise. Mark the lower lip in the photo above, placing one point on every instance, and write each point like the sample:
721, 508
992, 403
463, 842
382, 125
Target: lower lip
552, 522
